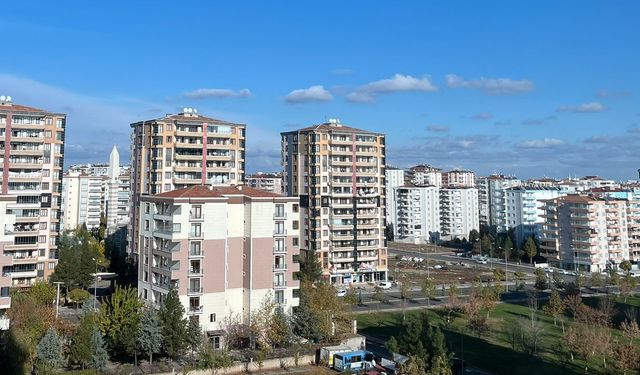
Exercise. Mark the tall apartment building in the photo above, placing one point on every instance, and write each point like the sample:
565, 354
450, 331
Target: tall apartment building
224, 249
338, 173
458, 212
179, 151
393, 178
417, 214
585, 232
271, 182
459, 178
82, 196
31, 158
525, 210
7, 239
491, 200
424, 175
117, 184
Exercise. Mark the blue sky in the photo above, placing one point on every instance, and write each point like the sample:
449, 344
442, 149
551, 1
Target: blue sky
528, 88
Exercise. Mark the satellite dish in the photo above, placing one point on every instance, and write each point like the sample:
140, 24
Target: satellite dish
8, 98
2, 98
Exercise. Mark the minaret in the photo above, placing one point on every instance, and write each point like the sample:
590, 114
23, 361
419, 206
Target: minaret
114, 164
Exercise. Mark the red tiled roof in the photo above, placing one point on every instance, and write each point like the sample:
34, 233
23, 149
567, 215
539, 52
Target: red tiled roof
19, 108
335, 127
245, 190
196, 191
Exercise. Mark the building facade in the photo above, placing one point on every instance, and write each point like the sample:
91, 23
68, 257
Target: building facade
182, 150
224, 249
459, 178
424, 175
525, 210
270, 182
7, 240
458, 212
585, 232
417, 214
32, 158
338, 173
491, 200
393, 178
82, 197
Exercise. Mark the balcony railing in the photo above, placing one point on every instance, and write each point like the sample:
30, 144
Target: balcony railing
193, 217
196, 309
195, 290
196, 271
280, 266
280, 232
280, 284
280, 215
279, 249
196, 234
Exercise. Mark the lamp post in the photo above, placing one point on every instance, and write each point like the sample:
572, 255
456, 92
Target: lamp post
95, 285
58, 297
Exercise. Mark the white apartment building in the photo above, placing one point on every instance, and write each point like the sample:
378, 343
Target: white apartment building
491, 200
117, 196
424, 175
459, 178
585, 232
524, 210
81, 200
393, 177
458, 212
7, 239
271, 182
224, 249
417, 214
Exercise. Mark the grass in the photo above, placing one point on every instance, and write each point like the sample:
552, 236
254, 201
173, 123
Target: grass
493, 352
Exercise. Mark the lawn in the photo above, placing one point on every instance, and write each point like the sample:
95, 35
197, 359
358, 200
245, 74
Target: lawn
493, 351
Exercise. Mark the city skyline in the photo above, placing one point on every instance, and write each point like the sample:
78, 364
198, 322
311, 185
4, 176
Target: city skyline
528, 93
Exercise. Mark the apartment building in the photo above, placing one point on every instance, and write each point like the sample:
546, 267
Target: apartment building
7, 239
338, 173
491, 200
417, 214
458, 212
585, 232
117, 196
82, 196
225, 249
271, 182
459, 178
31, 162
524, 210
393, 178
182, 150
424, 175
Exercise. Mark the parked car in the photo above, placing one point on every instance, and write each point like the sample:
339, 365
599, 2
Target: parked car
481, 261
341, 293
385, 285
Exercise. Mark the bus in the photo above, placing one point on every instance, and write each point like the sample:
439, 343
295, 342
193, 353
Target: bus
355, 361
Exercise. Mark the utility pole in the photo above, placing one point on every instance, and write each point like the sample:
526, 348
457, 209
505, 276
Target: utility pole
506, 272
95, 285
58, 297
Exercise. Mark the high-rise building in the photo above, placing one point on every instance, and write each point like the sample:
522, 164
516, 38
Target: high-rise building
179, 151
393, 177
417, 214
271, 182
224, 249
117, 198
491, 200
524, 210
338, 173
459, 178
458, 212
32, 155
424, 175
585, 232
82, 196
7, 239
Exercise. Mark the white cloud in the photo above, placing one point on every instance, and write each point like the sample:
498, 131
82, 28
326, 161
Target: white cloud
368, 93
542, 143
217, 93
612, 94
312, 94
438, 128
583, 108
492, 86
538, 121
482, 116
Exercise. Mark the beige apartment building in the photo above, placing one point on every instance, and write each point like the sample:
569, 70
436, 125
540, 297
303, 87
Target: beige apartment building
225, 249
271, 182
585, 232
338, 172
182, 150
31, 161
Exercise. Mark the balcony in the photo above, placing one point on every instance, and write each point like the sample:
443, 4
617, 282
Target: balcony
280, 215
196, 271
280, 284
279, 249
196, 254
280, 266
20, 274
280, 232
196, 235
196, 309
196, 218
281, 302
195, 290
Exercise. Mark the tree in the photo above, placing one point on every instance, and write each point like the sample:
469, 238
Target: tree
174, 325
486, 242
310, 268
392, 345
555, 307
79, 296
321, 316
530, 249
81, 350
596, 279
100, 356
43, 292
149, 333
541, 279
379, 294
210, 359
627, 285
279, 332
428, 289
76, 263
194, 336
388, 232
119, 319
405, 289
625, 265
474, 235
507, 247
558, 281
453, 294
498, 274
50, 352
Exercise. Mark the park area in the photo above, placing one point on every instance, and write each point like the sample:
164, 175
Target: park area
591, 335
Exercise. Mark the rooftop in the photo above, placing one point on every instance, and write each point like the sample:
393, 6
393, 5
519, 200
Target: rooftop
190, 117
17, 108
332, 127
201, 191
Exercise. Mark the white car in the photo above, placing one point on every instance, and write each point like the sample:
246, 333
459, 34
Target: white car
481, 261
341, 293
385, 285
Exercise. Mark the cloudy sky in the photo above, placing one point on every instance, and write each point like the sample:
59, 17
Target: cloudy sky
539, 88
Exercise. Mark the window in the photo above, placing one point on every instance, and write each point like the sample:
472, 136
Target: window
216, 342
51, 265
40, 266
279, 210
4, 292
196, 212
195, 248
43, 226
294, 241
295, 208
167, 175
144, 293
42, 239
196, 230
147, 208
295, 224
146, 225
45, 173
212, 318
43, 213
279, 228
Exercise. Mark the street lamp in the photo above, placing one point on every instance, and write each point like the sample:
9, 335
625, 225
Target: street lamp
58, 296
95, 285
